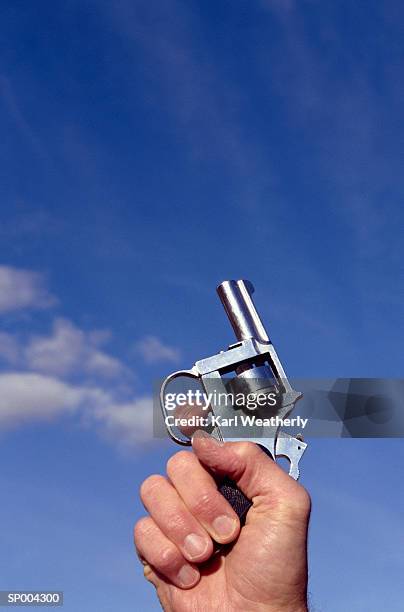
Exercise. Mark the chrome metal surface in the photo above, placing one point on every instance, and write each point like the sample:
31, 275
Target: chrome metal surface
291, 448
239, 306
253, 353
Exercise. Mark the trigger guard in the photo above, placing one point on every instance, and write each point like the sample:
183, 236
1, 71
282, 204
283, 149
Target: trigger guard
193, 373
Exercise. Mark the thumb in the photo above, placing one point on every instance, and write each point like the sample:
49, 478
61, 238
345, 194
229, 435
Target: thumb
254, 472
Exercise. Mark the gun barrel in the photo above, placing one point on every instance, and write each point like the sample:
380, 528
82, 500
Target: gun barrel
239, 306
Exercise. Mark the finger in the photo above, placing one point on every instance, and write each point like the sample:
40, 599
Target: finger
257, 475
199, 491
191, 418
162, 555
170, 513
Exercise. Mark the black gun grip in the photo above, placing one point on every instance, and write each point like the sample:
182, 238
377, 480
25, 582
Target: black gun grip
237, 500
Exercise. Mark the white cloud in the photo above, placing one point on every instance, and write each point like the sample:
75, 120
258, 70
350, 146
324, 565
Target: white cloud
38, 392
102, 364
30, 398
129, 423
153, 350
69, 349
22, 289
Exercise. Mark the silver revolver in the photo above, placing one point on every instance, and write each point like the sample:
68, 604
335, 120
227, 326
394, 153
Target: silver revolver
251, 367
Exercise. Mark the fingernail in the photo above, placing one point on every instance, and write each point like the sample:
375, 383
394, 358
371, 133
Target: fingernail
195, 545
203, 435
224, 526
187, 576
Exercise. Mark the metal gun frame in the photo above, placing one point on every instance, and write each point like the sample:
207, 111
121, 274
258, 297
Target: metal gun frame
253, 352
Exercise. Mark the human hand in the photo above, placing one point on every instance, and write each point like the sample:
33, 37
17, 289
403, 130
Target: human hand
263, 566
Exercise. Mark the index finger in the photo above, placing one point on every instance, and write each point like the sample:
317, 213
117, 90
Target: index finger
198, 490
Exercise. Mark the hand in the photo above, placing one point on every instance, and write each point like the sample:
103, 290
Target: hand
264, 566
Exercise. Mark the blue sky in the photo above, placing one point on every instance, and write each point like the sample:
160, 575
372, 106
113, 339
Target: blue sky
150, 150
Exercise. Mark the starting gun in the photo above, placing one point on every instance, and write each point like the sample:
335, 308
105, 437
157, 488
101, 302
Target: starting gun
250, 367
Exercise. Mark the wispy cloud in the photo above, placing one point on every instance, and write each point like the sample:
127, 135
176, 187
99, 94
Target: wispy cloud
27, 224
13, 106
27, 398
153, 350
20, 289
68, 372
127, 424
69, 349
331, 98
201, 100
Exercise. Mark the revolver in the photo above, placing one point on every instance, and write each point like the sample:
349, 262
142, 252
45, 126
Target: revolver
251, 368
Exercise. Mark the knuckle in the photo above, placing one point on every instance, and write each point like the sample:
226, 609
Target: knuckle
176, 523
246, 448
167, 559
150, 485
300, 501
304, 500
203, 504
179, 462
142, 529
